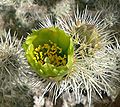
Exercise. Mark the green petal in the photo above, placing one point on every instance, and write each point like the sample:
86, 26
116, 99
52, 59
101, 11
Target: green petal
56, 35
29, 55
70, 53
50, 71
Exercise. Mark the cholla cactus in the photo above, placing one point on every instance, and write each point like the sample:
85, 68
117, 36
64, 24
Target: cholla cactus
11, 67
14, 2
90, 69
115, 51
63, 7
6, 2
97, 67
16, 97
10, 49
28, 13
109, 10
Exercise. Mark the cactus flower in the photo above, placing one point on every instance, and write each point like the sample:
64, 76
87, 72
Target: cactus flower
50, 52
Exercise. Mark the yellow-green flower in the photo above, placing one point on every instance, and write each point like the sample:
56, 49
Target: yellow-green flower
50, 52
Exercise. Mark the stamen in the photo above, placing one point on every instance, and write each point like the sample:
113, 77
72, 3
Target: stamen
50, 51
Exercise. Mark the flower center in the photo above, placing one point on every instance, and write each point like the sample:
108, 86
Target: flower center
50, 53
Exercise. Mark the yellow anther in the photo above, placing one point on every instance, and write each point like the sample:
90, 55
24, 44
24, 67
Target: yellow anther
34, 58
53, 52
37, 57
35, 53
41, 62
46, 46
65, 56
55, 44
51, 42
45, 53
53, 48
60, 49
60, 58
37, 49
64, 62
57, 62
41, 55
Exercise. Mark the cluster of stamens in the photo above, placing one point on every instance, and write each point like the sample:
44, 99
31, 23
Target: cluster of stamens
51, 52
